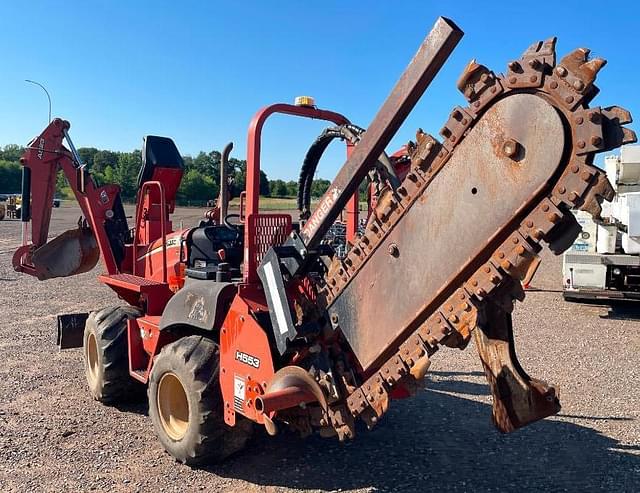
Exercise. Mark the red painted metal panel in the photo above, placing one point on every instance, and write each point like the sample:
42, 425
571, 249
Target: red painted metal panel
253, 164
245, 362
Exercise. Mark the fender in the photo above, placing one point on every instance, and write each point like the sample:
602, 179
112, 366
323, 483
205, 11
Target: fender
200, 304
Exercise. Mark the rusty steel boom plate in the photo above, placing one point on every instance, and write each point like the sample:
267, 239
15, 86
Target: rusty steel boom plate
431, 56
458, 216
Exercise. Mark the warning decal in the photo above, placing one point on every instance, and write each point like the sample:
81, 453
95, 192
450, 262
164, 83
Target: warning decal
238, 392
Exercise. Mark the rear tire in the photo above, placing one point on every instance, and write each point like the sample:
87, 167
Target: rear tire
186, 405
106, 354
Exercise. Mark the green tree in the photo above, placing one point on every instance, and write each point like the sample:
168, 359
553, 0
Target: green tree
102, 159
238, 173
62, 186
264, 184
188, 162
278, 188
87, 154
363, 190
200, 183
126, 172
196, 187
319, 187
208, 164
109, 175
11, 152
10, 177
292, 188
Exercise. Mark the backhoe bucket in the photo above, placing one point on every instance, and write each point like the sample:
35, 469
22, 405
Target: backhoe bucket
73, 252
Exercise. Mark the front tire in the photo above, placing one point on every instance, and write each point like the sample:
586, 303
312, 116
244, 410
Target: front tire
106, 354
186, 405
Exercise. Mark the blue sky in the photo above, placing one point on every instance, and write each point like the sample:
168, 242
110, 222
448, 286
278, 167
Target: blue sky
198, 71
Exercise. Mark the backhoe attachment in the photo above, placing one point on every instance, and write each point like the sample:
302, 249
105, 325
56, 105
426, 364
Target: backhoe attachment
74, 251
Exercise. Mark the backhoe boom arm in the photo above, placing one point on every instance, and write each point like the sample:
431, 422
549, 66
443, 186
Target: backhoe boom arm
74, 251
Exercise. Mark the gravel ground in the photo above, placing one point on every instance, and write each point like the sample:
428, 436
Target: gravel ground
54, 437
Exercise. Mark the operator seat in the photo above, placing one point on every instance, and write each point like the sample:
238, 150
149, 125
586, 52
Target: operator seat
158, 152
161, 161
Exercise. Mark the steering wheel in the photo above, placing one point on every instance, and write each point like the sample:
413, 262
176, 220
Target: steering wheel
229, 225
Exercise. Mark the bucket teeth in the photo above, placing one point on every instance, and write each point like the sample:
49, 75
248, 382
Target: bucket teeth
473, 79
629, 136
517, 398
616, 112
580, 55
594, 66
463, 83
549, 48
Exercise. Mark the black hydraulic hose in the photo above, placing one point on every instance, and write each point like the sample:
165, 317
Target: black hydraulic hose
344, 132
310, 164
25, 208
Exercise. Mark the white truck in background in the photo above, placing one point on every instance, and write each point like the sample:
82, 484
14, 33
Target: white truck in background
604, 261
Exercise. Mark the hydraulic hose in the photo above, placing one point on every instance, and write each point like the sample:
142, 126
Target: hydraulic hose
309, 165
351, 133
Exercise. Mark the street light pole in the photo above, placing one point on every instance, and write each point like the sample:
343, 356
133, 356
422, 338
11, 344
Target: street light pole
45, 91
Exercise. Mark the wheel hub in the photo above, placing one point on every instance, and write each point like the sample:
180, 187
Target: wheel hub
173, 406
92, 358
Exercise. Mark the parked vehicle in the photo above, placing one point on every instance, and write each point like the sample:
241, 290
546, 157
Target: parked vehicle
604, 261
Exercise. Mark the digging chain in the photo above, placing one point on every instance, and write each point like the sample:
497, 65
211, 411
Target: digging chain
569, 87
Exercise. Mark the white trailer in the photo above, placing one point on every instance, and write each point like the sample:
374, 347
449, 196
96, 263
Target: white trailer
604, 261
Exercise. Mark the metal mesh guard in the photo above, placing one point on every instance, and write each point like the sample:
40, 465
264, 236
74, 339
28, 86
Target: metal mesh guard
266, 230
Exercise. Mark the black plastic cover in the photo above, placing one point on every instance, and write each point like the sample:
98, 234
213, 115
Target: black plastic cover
200, 303
71, 330
158, 152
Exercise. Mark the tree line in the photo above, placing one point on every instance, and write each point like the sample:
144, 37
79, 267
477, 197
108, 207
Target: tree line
200, 182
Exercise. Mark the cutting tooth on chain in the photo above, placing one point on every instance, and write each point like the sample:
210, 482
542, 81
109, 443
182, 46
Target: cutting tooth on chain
614, 133
600, 191
578, 65
545, 51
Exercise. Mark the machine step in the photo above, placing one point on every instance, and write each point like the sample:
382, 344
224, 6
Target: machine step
133, 283
143, 338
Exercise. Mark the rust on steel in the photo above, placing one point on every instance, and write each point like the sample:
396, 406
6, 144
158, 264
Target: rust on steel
283, 399
486, 153
72, 252
491, 189
431, 56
